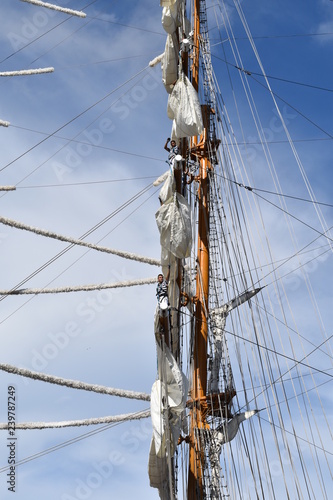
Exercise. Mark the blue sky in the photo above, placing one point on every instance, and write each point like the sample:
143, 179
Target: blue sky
79, 175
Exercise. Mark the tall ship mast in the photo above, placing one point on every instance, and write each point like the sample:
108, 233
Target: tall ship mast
210, 419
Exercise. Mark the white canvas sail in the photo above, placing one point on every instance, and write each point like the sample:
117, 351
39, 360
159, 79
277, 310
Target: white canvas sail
184, 108
174, 224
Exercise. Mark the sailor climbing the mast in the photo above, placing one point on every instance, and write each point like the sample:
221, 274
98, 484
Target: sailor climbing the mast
162, 292
173, 150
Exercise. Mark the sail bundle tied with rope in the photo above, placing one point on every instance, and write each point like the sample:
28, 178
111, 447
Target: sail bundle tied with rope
173, 220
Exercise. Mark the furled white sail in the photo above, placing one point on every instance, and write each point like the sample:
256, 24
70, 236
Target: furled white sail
184, 108
216, 439
227, 431
168, 187
157, 60
218, 321
161, 178
159, 394
188, 286
175, 380
174, 224
158, 472
168, 399
168, 259
218, 318
170, 64
167, 3
169, 18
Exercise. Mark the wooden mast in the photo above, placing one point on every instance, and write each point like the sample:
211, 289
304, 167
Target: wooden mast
199, 387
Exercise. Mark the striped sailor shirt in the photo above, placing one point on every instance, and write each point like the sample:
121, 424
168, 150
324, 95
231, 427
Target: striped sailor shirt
162, 290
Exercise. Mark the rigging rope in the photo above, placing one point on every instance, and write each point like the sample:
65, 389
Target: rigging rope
299, 220
251, 188
274, 351
66, 184
95, 146
296, 362
295, 356
37, 38
73, 139
74, 384
62, 445
250, 73
72, 120
128, 26
298, 437
274, 94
